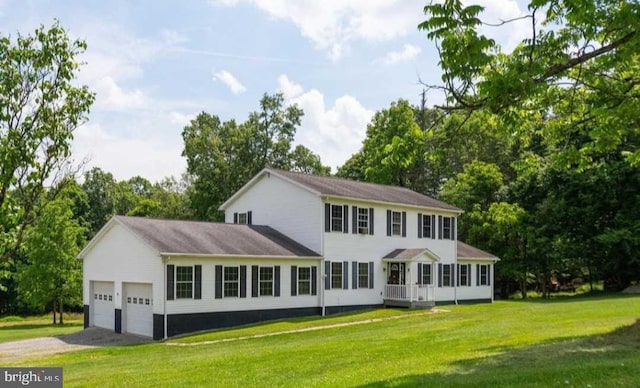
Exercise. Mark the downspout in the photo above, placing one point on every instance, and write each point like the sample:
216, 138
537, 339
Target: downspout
164, 299
322, 266
456, 268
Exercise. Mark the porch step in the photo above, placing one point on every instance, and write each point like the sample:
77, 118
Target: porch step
416, 304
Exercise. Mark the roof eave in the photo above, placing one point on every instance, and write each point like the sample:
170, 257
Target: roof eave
457, 211
493, 259
236, 256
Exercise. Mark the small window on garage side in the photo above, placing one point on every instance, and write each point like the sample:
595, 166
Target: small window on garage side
128, 299
95, 296
100, 297
146, 301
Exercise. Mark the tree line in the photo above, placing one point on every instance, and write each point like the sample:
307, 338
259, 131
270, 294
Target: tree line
538, 146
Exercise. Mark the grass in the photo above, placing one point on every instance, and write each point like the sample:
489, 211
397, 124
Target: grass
573, 342
13, 328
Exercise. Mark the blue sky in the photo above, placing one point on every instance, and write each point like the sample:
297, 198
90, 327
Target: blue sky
154, 65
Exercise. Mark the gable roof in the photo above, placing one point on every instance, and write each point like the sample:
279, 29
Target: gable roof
211, 238
344, 188
409, 254
466, 251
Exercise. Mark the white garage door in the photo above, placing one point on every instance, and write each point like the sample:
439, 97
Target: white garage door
139, 309
103, 307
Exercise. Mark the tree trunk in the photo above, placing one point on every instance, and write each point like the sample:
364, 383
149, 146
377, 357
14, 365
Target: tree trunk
61, 305
54, 313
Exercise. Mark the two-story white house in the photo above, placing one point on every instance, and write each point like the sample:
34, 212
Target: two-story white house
292, 245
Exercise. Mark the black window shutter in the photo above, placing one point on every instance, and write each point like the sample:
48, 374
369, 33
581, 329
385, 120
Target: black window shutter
197, 283
489, 274
327, 275
469, 275
249, 219
170, 268
218, 285
254, 281
439, 227
477, 274
404, 224
354, 275
327, 217
388, 222
243, 281
235, 218
345, 219
345, 275
453, 275
294, 280
371, 274
371, 220
354, 219
458, 278
419, 225
439, 274
419, 273
433, 226
314, 280
276, 280
453, 228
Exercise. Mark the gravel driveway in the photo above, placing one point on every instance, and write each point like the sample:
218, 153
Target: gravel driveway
88, 338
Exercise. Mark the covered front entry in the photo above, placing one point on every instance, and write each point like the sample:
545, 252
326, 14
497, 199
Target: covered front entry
409, 278
138, 309
102, 305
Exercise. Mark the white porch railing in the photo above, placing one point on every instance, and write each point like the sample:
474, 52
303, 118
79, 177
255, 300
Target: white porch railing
409, 292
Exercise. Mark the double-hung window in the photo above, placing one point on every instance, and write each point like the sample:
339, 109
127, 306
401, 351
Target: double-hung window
304, 280
231, 282
446, 228
464, 273
363, 220
426, 225
483, 275
446, 275
396, 223
426, 274
336, 274
336, 218
363, 275
242, 218
184, 282
266, 281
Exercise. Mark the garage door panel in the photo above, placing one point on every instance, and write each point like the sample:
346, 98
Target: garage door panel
139, 309
103, 305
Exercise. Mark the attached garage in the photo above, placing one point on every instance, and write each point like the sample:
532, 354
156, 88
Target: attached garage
103, 307
138, 309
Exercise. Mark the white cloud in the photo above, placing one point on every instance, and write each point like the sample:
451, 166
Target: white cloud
111, 97
334, 132
332, 25
408, 53
153, 158
172, 37
229, 80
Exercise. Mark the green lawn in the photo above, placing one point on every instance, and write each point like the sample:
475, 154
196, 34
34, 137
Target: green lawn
19, 328
568, 342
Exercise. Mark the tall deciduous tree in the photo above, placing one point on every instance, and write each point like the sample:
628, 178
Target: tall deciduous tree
40, 107
223, 156
53, 274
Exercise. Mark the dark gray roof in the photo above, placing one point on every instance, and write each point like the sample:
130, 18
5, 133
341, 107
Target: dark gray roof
466, 251
211, 238
332, 186
407, 254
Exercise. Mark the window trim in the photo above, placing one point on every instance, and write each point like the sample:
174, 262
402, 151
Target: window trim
424, 273
261, 281
466, 268
363, 220
300, 280
426, 233
192, 281
394, 223
335, 218
485, 281
360, 275
334, 276
225, 281
243, 218
450, 281
446, 230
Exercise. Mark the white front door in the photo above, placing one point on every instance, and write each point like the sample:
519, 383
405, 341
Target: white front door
138, 309
103, 305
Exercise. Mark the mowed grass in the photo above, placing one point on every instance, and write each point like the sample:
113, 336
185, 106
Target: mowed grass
14, 328
573, 342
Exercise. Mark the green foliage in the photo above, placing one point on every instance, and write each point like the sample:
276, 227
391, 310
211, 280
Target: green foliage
353, 168
223, 156
52, 274
478, 184
40, 107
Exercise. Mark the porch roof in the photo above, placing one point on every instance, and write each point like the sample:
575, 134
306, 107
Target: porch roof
410, 255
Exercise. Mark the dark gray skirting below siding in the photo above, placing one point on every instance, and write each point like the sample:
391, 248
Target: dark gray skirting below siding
330, 310
463, 301
158, 326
